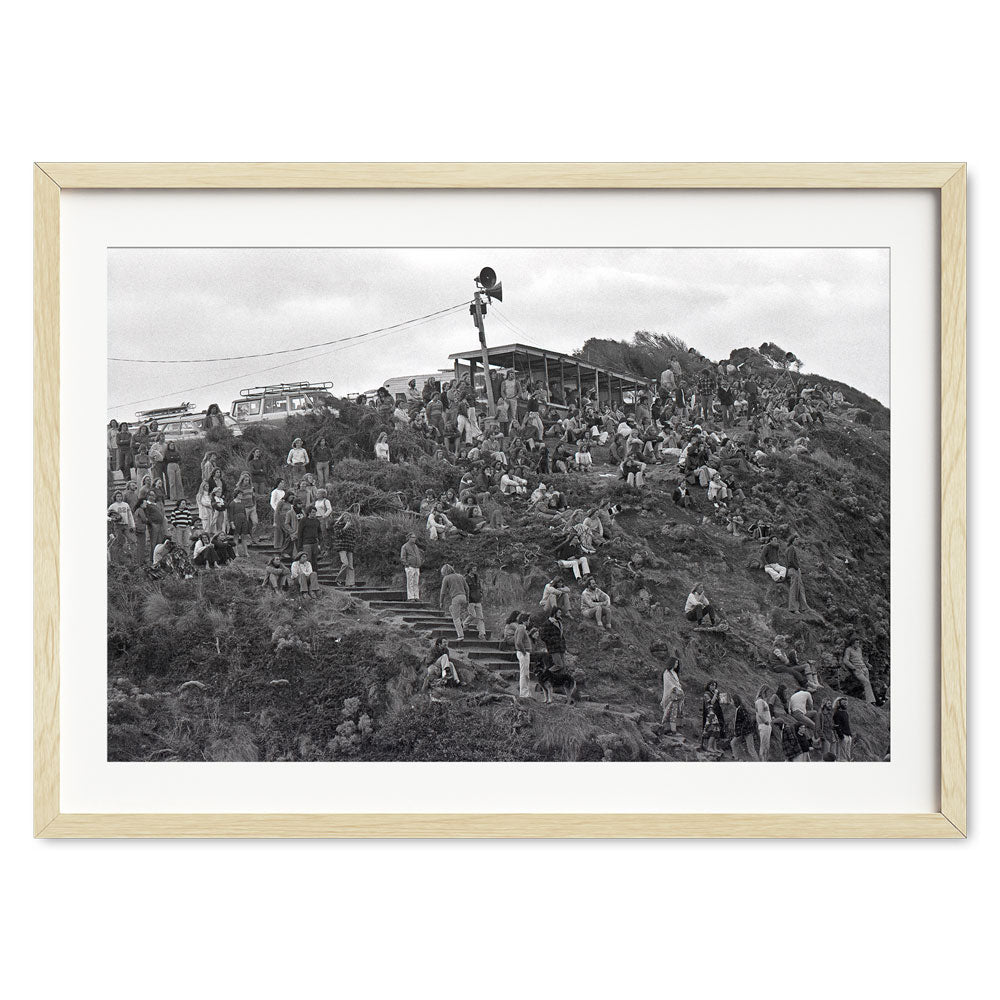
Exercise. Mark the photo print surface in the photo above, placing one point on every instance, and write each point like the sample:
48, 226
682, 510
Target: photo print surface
498, 504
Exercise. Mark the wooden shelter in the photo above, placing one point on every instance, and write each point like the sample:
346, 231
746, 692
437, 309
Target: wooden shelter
564, 375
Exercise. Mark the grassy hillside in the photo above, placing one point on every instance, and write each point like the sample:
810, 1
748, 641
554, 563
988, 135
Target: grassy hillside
206, 669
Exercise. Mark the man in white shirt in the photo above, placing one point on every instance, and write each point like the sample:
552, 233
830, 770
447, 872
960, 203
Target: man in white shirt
800, 708
510, 484
277, 494
324, 511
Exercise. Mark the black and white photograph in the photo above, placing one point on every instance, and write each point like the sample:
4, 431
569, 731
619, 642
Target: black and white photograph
498, 505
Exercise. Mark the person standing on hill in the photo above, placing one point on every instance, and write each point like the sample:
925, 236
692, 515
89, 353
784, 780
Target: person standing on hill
454, 597
322, 456
672, 701
297, 460
826, 733
344, 540
412, 559
711, 718
382, 448
762, 709
842, 729
156, 520
214, 420
854, 661
277, 495
123, 441
522, 647
257, 468
172, 471
309, 536
324, 514
244, 497
554, 637
744, 727
182, 522
796, 589
286, 527
157, 454
475, 609
112, 445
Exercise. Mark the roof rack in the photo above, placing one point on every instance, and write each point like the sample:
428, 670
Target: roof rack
165, 411
262, 390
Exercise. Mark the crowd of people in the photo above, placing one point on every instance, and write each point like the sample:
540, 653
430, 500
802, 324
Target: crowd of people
773, 722
715, 432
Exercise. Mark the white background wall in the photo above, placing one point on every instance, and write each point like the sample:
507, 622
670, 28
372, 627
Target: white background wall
628, 81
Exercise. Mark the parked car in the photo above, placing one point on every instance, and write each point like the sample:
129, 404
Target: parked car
276, 402
189, 426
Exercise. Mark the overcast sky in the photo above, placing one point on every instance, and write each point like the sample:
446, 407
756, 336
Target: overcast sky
830, 307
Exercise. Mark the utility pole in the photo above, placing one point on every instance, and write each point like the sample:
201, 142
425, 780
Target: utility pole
488, 285
477, 313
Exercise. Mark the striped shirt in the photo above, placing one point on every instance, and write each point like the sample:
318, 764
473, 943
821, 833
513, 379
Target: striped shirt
181, 517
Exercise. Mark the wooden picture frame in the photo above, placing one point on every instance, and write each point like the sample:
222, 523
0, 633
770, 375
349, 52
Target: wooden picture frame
948, 179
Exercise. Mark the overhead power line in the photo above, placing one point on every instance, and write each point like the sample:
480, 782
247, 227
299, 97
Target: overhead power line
374, 334
292, 350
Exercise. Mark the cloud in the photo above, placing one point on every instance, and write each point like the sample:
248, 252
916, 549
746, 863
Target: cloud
829, 306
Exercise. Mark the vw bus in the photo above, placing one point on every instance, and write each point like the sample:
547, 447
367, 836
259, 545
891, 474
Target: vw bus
277, 402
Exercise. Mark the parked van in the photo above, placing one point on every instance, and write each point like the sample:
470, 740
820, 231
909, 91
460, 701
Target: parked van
277, 402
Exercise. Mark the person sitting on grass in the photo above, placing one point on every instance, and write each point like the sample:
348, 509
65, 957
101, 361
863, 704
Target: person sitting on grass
717, 489
699, 606
306, 577
225, 547
583, 460
681, 496
770, 557
439, 666
204, 552
512, 485
439, 525
276, 575
633, 473
555, 595
596, 604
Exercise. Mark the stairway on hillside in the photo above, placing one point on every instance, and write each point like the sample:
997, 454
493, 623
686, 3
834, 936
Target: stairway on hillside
420, 616
433, 623
327, 568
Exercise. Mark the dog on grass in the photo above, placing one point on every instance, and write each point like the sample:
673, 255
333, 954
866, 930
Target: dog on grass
555, 679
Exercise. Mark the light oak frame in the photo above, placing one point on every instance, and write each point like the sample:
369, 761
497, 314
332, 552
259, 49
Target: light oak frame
949, 179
